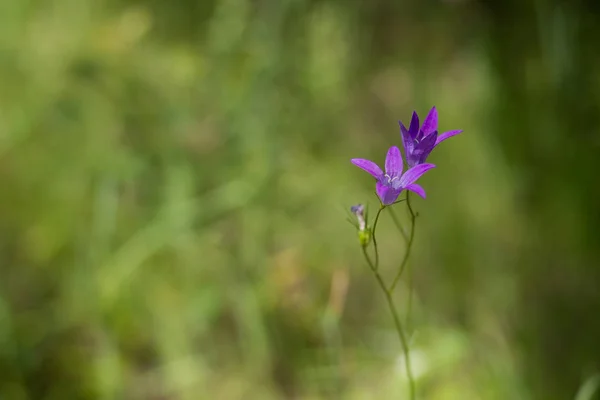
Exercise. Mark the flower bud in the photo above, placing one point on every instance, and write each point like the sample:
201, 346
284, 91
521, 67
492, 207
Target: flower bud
364, 234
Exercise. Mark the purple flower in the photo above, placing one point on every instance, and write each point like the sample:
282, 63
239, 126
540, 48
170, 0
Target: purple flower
393, 182
418, 143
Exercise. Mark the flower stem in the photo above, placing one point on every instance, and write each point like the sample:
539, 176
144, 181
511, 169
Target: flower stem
410, 271
403, 341
411, 237
398, 226
397, 323
371, 265
376, 266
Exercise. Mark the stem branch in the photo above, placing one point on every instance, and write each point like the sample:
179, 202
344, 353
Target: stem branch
398, 226
390, 301
374, 238
397, 323
411, 237
403, 341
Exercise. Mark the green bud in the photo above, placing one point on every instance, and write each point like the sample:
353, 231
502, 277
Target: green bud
364, 237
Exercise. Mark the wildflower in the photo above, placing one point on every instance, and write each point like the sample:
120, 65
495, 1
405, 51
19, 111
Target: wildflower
393, 182
418, 143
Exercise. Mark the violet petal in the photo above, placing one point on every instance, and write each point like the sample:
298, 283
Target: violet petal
407, 140
414, 125
413, 187
393, 162
446, 135
415, 173
422, 150
368, 166
431, 122
386, 194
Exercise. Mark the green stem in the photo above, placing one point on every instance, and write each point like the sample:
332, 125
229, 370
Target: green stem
411, 237
410, 299
403, 341
397, 323
413, 216
371, 265
398, 226
374, 238
410, 271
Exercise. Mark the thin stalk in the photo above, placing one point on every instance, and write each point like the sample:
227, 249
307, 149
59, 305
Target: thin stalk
410, 299
398, 226
411, 237
403, 341
413, 216
371, 265
410, 271
394, 311
374, 238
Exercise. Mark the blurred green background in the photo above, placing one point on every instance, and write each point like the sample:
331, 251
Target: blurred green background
175, 176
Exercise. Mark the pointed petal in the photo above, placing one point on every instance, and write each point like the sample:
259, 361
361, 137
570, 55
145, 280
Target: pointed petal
412, 159
423, 149
403, 131
431, 122
414, 125
386, 194
446, 135
368, 166
393, 162
415, 173
407, 140
413, 187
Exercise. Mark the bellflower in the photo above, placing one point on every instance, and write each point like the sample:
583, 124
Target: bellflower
391, 183
418, 143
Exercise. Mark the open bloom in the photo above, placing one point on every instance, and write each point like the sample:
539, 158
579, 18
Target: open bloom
391, 183
418, 143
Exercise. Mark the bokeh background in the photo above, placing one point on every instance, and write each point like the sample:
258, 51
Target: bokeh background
175, 179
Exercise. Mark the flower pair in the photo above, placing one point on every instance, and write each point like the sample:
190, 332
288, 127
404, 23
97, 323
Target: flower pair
418, 144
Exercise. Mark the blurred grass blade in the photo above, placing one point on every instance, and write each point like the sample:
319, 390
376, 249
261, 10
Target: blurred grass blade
589, 388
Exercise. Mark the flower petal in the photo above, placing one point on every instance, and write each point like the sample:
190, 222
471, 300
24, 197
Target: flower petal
358, 209
412, 159
422, 150
414, 125
414, 173
431, 122
386, 194
413, 187
368, 166
393, 162
446, 135
407, 140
